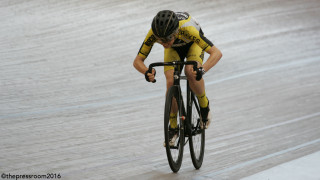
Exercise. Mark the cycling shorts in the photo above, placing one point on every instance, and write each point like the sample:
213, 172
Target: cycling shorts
190, 51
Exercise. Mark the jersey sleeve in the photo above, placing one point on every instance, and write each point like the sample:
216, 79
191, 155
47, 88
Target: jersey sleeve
204, 43
198, 37
147, 44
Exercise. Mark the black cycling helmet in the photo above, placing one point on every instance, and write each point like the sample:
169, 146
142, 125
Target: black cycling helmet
165, 23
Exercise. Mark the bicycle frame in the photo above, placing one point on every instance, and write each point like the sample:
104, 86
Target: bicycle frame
190, 95
188, 127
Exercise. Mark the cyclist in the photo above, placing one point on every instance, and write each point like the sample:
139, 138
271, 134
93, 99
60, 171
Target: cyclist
182, 37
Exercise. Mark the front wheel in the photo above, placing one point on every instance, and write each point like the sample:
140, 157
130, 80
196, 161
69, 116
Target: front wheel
173, 129
197, 139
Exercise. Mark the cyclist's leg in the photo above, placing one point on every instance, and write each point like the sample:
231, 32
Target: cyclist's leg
195, 53
198, 87
171, 55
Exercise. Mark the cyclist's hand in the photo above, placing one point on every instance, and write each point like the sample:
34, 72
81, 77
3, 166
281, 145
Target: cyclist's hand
150, 77
199, 73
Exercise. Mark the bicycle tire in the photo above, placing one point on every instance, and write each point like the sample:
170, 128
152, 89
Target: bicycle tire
197, 139
174, 153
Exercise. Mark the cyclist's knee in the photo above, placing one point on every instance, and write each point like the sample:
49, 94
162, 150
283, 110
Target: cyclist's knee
188, 70
189, 73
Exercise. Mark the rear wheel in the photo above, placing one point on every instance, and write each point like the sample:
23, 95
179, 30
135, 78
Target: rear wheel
173, 129
197, 139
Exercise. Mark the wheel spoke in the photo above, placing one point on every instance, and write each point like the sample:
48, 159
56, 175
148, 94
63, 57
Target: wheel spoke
197, 140
174, 131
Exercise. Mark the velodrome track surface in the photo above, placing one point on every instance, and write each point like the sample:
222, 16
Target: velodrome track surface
71, 102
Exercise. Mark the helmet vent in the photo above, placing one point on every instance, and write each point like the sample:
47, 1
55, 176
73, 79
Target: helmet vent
164, 23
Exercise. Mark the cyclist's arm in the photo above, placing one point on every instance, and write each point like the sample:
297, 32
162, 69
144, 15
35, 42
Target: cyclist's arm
215, 56
147, 45
143, 53
206, 45
138, 63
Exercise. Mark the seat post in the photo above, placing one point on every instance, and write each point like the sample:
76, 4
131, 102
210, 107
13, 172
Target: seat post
176, 76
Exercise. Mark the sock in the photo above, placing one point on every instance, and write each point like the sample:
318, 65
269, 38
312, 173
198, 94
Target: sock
173, 120
203, 101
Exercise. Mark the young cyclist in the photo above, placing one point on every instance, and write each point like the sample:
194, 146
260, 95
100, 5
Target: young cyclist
182, 37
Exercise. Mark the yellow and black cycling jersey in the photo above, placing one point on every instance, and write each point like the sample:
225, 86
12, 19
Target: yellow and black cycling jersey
189, 31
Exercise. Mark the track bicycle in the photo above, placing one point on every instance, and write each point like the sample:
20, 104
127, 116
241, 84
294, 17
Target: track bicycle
187, 127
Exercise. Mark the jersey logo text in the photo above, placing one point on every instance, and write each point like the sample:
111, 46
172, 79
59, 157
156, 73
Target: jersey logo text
150, 40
